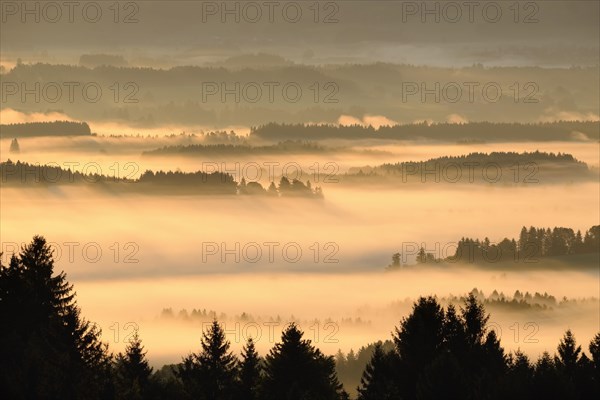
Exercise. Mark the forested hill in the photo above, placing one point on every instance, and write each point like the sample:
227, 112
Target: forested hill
486, 168
285, 147
55, 128
25, 175
486, 131
533, 246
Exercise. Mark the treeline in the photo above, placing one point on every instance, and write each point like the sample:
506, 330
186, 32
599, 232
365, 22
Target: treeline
532, 244
214, 183
288, 146
55, 128
490, 131
203, 315
451, 353
519, 301
501, 159
495, 167
49, 351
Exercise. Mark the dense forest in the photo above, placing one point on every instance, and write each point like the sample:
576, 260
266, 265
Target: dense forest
175, 182
491, 168
531, 245
48, 350
286, 147
350, 365
487, 131
55, 128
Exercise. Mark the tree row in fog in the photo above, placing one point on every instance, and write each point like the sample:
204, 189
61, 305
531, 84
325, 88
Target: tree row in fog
468, 132
54, 128
49, 351
532, 244
500, 132
21, 174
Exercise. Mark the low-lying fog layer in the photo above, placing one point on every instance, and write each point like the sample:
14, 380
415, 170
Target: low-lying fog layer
369, 300
349, 230
130, 256
123, 156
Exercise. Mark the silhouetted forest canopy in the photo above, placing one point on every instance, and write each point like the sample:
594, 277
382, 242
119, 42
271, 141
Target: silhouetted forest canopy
215, 183
532, 245
495, 167
286, 147
55, 128
488, 131
49, 351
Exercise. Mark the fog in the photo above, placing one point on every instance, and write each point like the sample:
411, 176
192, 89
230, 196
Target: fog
371, 297
131, 255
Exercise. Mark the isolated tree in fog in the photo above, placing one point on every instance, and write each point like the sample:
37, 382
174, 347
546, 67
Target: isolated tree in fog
272, 190
46, 349
211, 373
14, 146
284, 185
296, 370
132, 372
249, 372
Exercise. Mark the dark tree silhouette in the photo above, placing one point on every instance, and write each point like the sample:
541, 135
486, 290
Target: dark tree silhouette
418, 340
377, 382
132, 372
296, 370
211, 373
568, 354
47, 349
250, 371
518, 382
546, 379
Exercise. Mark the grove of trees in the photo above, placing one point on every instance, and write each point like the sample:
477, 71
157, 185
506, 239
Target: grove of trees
532, 244
173, 182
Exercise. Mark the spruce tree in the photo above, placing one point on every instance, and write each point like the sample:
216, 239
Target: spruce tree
133, 372
47, 350
377, 381
418, 340
296, 370
249, 372
211, 373
568, 354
